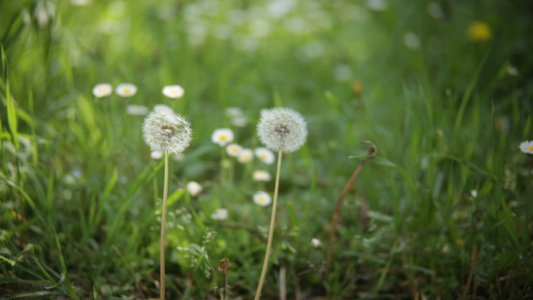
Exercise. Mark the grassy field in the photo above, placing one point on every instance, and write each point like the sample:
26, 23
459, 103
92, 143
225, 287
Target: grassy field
443, 89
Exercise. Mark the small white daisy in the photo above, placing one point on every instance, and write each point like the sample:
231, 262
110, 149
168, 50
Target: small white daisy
162, 107
261, 175
265, 155
126, 90
233, 149
527, 147
102, 90
222, 136
156, 154
316, 243
245, 156
194, 188
262, 199
136, 110
220, 214
173, 91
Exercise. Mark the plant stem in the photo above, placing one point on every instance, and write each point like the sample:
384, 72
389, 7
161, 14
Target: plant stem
163, 222
270, 232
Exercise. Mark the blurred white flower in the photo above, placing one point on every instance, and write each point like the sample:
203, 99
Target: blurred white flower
261, 175
296, 25
239, 121
233, 112
194, 188
222, 136
376, 4
265, 155
411, 41
262, 199
102, 90
259, 28
513, 71
435, 10
473, 193
220, 214
527, 147
137, 110
163, 107
233, 149
80, 2
126, 90
156, 154
173, 91
343, 73
316, 243
245, 156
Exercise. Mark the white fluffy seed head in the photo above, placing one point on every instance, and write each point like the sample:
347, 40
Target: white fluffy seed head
282, 129
167, 132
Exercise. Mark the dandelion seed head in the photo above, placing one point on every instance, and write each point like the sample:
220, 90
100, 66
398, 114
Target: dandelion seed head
167, 132
282, 129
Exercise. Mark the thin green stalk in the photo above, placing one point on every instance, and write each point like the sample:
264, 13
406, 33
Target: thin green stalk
270, 231
163, 224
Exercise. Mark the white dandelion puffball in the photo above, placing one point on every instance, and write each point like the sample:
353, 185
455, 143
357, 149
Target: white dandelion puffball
261, 175
264, 155
220, 214
262, 199
282, 129
527, 147
167, 132
233, 150
245, 156
126, 90
222, 136
136, 110
163, 107
156, 154
102, 90
173, 91
194, 188
315, 243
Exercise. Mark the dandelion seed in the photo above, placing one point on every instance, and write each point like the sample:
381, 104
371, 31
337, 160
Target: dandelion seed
282, 129
262, 199
265, 155
194, 188
102, 90
126, 90
233, 150
316, 243
526, 147
156, 154
173, 91
479, 32
166, 132
222, 136
163, 107
261, 175
136, 110
245, 156
220, 214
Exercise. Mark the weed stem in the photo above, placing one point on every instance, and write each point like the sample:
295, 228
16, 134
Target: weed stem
163, 221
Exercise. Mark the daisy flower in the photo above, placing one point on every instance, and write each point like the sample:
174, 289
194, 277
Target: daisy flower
233, 150
261, 175
527, 147
194, 188
220, 214
173, 91
264, 155
282, 129
222, 136
156, 154
262, 199
245, 156
126, 90
315, 243
102, 90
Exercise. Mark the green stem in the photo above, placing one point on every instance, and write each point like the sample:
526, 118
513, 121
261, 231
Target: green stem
270, 232
163, 222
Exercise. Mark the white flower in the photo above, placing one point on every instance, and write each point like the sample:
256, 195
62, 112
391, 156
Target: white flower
261, 175
194, 188
80, 2
473, 193
167, 132
527, 147
282, 129
262, 199
163, 107
316, 243
233, 149
411, 41
126, 89
173, 91
245, 156
239, 121
102, 90
233, 112
222, 136
220, 214
264, 155
136, 110
156, 154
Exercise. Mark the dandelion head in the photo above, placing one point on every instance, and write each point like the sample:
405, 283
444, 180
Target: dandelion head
167, 132
261, 175
102, 90
222, 136
282, 129
194, 188
173, 91
245, 156
262, 199
265, 155
126, 90
233, 150
527, 147
220, 214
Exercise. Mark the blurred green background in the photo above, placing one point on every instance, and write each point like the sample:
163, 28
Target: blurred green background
442, 88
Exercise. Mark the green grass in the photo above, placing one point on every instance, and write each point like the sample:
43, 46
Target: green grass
80, 194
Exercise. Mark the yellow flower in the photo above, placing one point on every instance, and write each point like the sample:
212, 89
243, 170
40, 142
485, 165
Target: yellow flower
479, 31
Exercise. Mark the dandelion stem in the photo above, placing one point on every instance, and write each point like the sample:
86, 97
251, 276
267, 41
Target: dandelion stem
163, 221
270, 231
